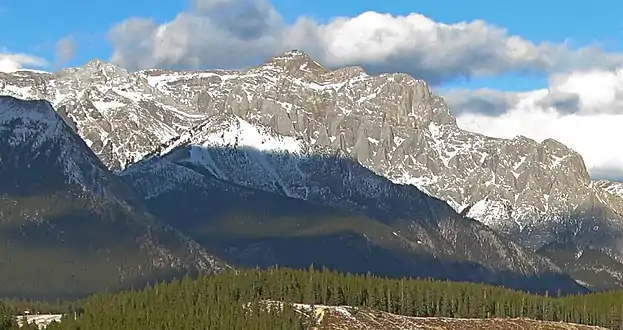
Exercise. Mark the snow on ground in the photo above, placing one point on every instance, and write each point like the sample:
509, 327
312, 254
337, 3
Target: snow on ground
41, 320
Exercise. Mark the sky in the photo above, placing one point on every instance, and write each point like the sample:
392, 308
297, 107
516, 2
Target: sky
542, 69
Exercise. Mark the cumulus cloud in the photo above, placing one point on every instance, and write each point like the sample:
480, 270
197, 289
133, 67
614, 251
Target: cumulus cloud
238, 33
436, 51
65, 50
484, 101
565, 102
592, 126
14, 62
214, 33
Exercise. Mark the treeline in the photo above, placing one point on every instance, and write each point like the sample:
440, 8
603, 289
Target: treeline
235, 301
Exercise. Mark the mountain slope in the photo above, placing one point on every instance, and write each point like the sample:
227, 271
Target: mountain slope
260, 198
63, 214
585, 264
535, 192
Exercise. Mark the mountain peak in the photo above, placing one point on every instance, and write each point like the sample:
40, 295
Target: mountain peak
32, 110
294, 53
95, 63
99, 65
296, 60
65, 201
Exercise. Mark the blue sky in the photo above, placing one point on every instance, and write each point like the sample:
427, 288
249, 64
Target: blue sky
33, 26
537, 20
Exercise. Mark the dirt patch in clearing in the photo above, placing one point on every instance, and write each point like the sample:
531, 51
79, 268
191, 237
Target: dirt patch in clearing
347, 318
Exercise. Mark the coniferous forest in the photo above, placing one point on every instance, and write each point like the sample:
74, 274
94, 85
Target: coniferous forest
237, 300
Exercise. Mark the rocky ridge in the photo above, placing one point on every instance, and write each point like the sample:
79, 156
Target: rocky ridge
117, 113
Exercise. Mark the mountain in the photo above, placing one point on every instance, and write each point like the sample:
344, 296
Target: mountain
258, 198
537, 193
393, 124
65, 215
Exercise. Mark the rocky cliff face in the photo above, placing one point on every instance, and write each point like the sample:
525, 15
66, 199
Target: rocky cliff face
537, 193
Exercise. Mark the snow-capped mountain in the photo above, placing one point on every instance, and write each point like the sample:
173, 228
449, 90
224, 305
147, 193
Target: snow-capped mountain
118, 114
395, 126
63, 213
392, 124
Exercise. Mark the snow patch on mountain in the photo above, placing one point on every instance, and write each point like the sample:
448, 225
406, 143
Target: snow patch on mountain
241, 134
614, 188
490, 212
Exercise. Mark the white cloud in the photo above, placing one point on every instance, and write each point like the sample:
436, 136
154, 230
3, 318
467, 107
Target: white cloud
13, 62
438, 51
594, 129
483, 101
213, 33
237, 33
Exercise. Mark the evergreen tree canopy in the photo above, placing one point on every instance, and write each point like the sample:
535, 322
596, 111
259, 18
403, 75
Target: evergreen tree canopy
237, 300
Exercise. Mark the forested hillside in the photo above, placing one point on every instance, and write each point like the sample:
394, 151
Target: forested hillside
237, 300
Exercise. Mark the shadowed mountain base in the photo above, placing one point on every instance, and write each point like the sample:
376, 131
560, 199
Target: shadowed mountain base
339, 226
